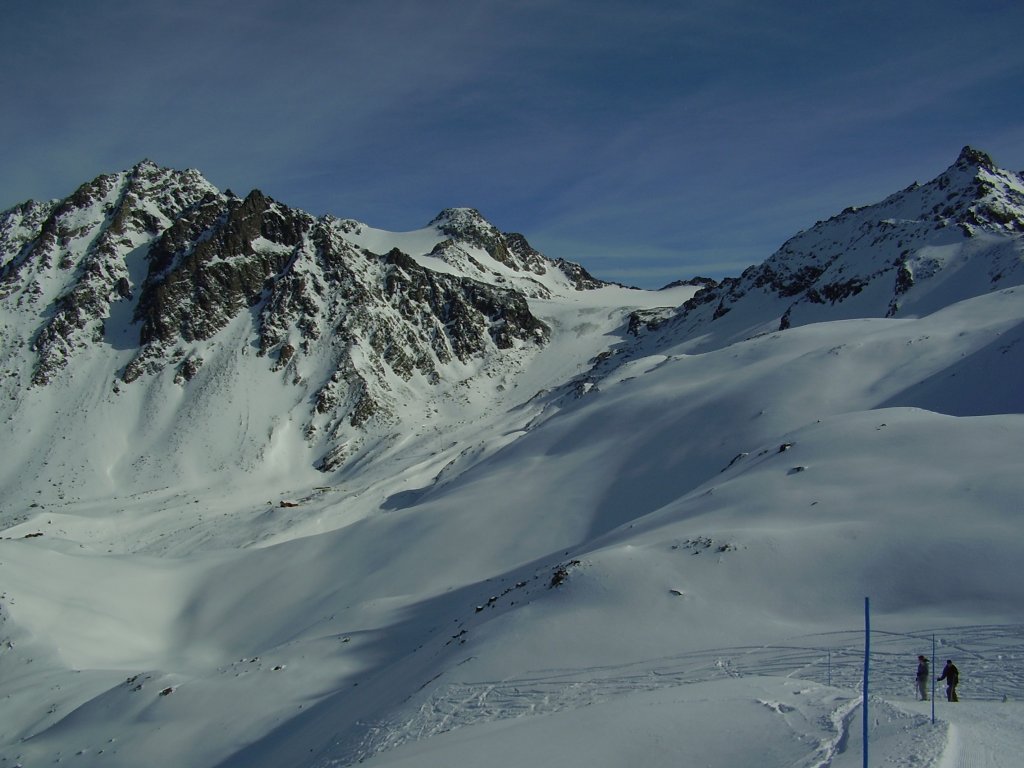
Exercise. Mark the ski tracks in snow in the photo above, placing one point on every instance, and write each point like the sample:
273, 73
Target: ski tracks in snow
974, 734
822, 720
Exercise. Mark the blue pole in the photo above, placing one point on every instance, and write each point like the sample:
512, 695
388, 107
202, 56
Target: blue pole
933, 679
867, 662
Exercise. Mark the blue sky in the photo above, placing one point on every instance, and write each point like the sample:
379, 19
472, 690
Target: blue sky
650, 141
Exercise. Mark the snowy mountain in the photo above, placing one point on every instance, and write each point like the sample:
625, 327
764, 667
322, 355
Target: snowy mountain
285, 490
157, 288
915, 252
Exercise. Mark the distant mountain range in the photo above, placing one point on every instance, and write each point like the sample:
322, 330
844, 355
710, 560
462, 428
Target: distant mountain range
152, 273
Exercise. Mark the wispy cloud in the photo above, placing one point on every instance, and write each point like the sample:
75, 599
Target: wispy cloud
690, 121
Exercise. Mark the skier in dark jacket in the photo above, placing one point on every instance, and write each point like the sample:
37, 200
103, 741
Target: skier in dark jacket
952, 676
922, 678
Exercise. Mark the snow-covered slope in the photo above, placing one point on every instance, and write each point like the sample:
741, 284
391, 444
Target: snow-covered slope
148, 305
917, 251
640, 541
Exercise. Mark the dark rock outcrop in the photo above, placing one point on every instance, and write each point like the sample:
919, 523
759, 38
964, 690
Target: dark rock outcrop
178, 263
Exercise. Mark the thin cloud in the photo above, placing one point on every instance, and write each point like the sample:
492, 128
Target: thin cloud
689, 122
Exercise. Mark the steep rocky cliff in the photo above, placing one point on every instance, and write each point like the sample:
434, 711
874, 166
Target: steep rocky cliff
152, 271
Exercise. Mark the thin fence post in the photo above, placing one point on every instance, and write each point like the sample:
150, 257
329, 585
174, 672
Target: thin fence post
933, 679
867, 663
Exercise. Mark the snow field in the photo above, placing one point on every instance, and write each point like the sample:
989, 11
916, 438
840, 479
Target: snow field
719, 519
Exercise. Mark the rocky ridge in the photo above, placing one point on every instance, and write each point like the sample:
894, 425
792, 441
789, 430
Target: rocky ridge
959, 235
180, 263
156, 288
66, 262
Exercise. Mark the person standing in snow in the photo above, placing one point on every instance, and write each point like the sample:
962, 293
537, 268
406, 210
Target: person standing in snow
922, 678
952, 676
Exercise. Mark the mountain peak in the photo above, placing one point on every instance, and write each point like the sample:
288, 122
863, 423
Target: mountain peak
460, 220
969, 156
468, 225
145, 164
885, 259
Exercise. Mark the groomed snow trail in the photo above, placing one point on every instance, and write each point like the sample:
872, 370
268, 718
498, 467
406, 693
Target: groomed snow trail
983, 734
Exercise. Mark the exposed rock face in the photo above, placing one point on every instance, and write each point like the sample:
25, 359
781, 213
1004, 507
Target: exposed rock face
207, 267
187, 263
466, 229
80, 247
